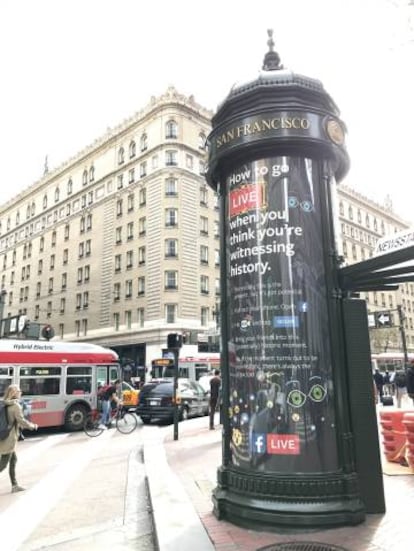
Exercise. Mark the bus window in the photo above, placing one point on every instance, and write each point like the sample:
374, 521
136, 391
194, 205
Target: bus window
183, 372
113, 374
79, 380
6, 379
37, 381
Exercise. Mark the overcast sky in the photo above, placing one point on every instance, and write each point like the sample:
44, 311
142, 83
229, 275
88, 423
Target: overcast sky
72, 68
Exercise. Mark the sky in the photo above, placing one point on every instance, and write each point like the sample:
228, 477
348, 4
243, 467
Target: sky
71, 69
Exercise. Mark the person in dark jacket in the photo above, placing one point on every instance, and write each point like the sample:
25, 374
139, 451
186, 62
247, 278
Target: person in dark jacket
410, 381
17, 421
215, 384
379, 383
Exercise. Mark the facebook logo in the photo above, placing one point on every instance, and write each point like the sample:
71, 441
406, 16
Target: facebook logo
258, 442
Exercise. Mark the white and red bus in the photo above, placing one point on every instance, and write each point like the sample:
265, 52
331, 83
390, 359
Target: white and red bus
191, 367
390, 361
59, 379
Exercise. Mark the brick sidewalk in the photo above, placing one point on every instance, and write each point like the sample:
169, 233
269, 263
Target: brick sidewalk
195, 458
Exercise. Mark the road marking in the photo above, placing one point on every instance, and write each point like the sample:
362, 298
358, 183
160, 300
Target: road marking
34, 504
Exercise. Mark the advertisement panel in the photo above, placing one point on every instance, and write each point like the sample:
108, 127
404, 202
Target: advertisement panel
281, 393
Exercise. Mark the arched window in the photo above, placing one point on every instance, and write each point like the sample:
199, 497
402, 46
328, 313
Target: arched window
375, 224
57, 193
132, 149
350, 213
28, 212
45, 201
359, 216
70, 186
143, 142
171, 130
85, 177
17, 218
92, 174
121, 155
33, 208
202, 140
341, 208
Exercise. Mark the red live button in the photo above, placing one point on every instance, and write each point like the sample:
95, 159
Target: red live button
283, 444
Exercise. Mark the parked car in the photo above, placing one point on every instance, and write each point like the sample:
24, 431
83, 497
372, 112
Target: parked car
156, 400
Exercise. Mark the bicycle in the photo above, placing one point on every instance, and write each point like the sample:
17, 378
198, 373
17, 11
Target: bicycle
125, 422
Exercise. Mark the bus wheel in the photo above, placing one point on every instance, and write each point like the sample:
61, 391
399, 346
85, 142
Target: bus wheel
75, 417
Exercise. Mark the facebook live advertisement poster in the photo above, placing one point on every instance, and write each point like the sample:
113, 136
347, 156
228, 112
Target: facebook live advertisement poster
281, 410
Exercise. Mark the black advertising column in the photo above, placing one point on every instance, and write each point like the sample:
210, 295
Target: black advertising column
276, 153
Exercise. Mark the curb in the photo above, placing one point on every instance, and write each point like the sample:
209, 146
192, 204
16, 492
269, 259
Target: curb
176, 521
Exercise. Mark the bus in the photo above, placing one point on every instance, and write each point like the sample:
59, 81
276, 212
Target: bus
190, 367
390, 361
59, 380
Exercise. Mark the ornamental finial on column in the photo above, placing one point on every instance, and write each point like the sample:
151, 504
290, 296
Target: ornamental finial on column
271, 60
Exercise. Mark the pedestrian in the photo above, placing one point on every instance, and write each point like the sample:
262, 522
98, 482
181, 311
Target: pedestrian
215, 383
17, 421
410, 381
379, 383
109, 397
400, 381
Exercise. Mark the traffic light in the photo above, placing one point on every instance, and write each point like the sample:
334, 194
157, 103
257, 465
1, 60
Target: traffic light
174, 340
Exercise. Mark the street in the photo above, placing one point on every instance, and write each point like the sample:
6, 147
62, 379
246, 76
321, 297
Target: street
81, 493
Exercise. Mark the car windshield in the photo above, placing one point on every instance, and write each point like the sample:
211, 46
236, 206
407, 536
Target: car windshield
165, 387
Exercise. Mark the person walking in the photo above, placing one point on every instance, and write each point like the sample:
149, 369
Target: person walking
379, 383
400, 382
17, 422
215, 383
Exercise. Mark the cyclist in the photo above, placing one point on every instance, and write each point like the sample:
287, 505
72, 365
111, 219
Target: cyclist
109, 397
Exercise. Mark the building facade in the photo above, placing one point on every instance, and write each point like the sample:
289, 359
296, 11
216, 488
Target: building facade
120, 245
362, 223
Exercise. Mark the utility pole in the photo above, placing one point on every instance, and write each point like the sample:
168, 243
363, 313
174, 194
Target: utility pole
402, 331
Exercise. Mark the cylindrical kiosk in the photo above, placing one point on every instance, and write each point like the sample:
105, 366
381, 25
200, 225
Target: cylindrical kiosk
276, 151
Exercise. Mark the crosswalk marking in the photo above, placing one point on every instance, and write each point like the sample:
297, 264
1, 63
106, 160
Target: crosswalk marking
19, 520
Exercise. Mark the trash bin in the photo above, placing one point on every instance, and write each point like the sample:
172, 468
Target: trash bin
393, 433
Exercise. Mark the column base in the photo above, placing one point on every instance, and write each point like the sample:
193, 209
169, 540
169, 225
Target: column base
260, 501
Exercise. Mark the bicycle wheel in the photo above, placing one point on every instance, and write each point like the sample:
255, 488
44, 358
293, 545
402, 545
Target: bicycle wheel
126, 423
91, 426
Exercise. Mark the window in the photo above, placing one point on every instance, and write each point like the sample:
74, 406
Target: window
129, 260
359, 217
143, 143
64, 280
128, 288
131, 176
142, 197
67, 232
50, 288
62, 305
52, 262
82, 225
92, 174
204, 316
132, 149
171, 158
42, 244
40, 267
57, 194
34, 384
141, 255
88, 222
120, 181
128, 319
171, 187
38, 289
170, 313
350, 213
118, 263
85, 177
141, 286
119, 207
77, 328
81, 250
217, 287
117, 291
142, 225
203, 225
171, 129
121, 155
203, 254
116, 322
130, 231
341, 208
53, 241
86, 273
189, 161
171, 217
201, 167
204, 284
171, 248
203, 196
85, 299
79, 379
171, 279
69, 187
118, 235
217, 257
65, 256
202, 140
140, 317
44, 203
143, 169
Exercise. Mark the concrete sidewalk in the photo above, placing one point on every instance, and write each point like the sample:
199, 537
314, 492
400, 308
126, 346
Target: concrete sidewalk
182, 474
